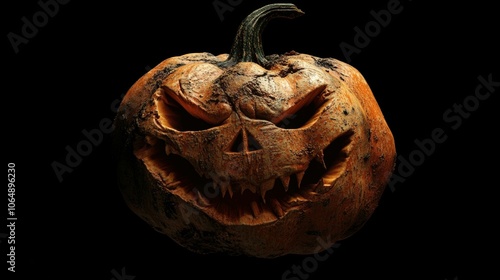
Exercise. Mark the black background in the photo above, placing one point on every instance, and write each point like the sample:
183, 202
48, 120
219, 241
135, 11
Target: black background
437, 224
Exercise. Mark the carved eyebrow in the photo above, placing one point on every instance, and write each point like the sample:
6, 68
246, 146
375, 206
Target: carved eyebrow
299, 105
277, 97
190, 87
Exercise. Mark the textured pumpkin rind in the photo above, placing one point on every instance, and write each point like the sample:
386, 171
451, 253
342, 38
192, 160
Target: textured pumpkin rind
337, 215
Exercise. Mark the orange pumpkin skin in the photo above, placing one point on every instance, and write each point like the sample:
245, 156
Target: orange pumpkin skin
260, 159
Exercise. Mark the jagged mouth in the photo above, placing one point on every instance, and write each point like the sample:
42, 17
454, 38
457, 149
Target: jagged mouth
289, 191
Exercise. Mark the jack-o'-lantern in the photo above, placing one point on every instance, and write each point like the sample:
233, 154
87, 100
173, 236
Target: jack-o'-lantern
243, 153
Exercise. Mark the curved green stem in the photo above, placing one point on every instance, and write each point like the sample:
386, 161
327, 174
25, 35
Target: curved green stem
247, 46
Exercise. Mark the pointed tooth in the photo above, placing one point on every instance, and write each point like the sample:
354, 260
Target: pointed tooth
223, 189
319, 185
296, 200
314, 189
255, 209
321, 159
268, 185
285, 180
173, 185
168, 150
299, 176
276, 207
310, 194
169, 178
224, 186
202, 200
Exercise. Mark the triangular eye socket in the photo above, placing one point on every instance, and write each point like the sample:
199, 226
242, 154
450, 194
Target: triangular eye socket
299, 118
304, 112
173, 115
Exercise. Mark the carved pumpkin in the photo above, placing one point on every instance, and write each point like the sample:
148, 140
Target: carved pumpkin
252, 154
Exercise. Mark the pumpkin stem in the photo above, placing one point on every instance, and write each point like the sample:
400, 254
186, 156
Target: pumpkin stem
247, 46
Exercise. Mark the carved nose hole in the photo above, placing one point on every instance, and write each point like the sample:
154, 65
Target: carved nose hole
252, 143
244, 142
237, 145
